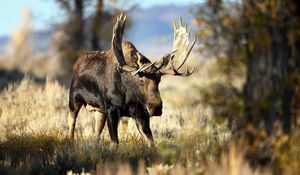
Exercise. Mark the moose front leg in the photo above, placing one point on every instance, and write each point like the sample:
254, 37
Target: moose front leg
143, 126
113, 117
100, 120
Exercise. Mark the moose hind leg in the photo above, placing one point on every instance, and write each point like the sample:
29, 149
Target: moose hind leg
74, 106
100, 120
143, 126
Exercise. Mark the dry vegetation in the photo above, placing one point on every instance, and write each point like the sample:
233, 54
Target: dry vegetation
195, 135
192, 135
188, 139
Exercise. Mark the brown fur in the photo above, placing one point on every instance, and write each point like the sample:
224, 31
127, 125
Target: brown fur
98, 82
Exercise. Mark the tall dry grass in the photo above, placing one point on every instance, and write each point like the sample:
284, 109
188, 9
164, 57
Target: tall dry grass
31, 107
33, 130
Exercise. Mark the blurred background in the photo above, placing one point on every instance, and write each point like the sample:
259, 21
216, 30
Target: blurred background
52, 33
245, 90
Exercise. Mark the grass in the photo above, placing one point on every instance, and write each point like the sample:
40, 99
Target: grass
41, 153
51, 154
33, 135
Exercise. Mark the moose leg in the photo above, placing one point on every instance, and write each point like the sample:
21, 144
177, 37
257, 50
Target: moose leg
74, 106
143, 126
72, 122
112, 122
100, 120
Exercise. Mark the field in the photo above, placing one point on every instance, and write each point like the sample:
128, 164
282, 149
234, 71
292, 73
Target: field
189, 138
237, 114
34, 132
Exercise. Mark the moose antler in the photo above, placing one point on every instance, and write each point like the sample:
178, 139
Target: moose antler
118, 32
168, 64
171, 63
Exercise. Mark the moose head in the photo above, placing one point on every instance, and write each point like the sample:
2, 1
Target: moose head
150, 73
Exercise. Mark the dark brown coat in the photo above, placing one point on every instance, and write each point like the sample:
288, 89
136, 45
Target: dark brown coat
123, 82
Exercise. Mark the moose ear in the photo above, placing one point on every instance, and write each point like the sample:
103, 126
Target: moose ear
164, 61
142, 60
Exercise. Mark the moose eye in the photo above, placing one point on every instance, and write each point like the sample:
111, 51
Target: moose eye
142, 82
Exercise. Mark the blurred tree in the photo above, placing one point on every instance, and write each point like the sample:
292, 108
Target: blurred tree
220, 34
101, 21
88, 26
19, 46
95, 29
272, 37
71, 32
264, 36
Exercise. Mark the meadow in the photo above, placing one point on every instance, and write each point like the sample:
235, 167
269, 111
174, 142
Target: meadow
189, 137
237, 114
34, 127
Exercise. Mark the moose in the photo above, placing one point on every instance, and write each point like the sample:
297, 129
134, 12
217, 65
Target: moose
123, 82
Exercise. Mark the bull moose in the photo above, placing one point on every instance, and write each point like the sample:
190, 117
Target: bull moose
123, 82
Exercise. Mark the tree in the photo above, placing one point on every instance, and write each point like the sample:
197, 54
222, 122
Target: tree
83, 30
95, 28
272, 61
264, 36
220, 37
20, 46
71, 36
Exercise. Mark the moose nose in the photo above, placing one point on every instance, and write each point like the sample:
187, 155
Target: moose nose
156, 110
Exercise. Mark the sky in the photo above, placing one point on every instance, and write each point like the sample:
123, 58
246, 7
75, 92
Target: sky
45, 12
